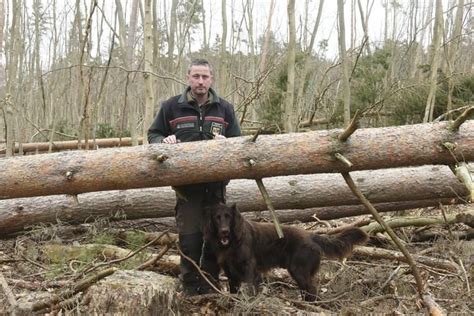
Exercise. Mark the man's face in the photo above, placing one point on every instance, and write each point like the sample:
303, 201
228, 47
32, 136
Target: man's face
200, 80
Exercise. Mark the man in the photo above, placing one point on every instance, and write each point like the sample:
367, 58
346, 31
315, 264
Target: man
197, 114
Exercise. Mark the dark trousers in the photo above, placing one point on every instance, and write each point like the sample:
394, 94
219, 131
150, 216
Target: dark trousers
189, 220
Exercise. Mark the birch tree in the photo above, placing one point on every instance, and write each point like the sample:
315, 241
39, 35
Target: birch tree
307, 59
266, 40
435, 60
148, 50
290, 113
2, 70
345, 63
453, 48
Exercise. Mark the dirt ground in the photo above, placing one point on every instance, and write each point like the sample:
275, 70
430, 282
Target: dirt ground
360, 285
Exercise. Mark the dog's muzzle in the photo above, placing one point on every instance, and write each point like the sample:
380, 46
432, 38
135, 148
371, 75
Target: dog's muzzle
224, 238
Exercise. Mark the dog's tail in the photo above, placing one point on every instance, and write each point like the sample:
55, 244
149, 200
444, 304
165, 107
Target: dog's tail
340, 246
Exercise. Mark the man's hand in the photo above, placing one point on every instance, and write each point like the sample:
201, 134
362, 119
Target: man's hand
170, 140
219, 136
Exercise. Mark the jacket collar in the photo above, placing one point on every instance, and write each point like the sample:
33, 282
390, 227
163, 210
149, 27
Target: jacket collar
183, 99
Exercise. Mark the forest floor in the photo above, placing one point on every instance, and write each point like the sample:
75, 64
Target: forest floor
30, 272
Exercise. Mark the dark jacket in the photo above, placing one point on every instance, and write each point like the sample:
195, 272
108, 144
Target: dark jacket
184, 118
181, 116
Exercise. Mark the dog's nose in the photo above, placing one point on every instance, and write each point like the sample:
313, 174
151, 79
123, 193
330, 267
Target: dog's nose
225, 230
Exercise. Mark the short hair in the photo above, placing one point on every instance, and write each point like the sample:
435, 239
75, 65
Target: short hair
200, 62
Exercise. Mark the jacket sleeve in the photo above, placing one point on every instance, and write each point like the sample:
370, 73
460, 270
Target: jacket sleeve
233, 129
159, 129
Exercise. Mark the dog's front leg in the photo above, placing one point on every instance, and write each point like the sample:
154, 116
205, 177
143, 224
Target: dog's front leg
252, 276
234, 280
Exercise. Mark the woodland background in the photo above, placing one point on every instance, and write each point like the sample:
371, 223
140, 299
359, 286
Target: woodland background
94, 69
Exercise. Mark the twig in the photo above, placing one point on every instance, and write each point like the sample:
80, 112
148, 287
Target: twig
154, 258
266, 197
343, 159
131, 254
76, 288
391, 233
380, 253
466, 276
254, 137
8, 292
338, 229
461, 119
353, 125
433, 308
318, 221
464, 175
205, 277
390, 277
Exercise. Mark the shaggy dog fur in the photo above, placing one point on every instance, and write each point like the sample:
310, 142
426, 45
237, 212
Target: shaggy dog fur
246, 249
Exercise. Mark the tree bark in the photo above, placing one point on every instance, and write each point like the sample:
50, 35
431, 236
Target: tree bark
435, 60
148, 49
390, 188
290, 111
195, 162
346, 88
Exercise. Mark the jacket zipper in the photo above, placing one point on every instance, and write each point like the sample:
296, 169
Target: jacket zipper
201, 122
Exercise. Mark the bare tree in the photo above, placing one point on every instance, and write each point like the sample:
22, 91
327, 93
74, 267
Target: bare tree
345, 63
453, 48
148, 49
267, 35
2, 69
306, 58
222, 51
435, 60
290, 113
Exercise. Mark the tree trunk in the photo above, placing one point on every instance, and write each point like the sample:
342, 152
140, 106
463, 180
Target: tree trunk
453, 48
271, 155
345, 63
290, 113
427, 184
266, 40
149, 92
71, 145
300, 100
435, 52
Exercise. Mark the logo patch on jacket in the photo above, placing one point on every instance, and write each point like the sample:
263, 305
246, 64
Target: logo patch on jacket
217, 128
186, 125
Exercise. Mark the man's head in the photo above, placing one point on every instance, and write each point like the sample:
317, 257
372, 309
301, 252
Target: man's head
200, 77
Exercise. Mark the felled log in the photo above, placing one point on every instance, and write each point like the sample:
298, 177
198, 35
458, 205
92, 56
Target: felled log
390, 189
379, 253
72, 144
419, 221
236, 158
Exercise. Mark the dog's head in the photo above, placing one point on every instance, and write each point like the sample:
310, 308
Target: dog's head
223, 224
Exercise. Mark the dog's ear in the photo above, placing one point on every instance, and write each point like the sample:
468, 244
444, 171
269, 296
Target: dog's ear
209, 228
238, 221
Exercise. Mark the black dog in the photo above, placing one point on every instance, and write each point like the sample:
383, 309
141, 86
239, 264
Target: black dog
246, 249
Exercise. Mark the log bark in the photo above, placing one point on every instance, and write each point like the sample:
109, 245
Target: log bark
72, 145
390, 189
237, 158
